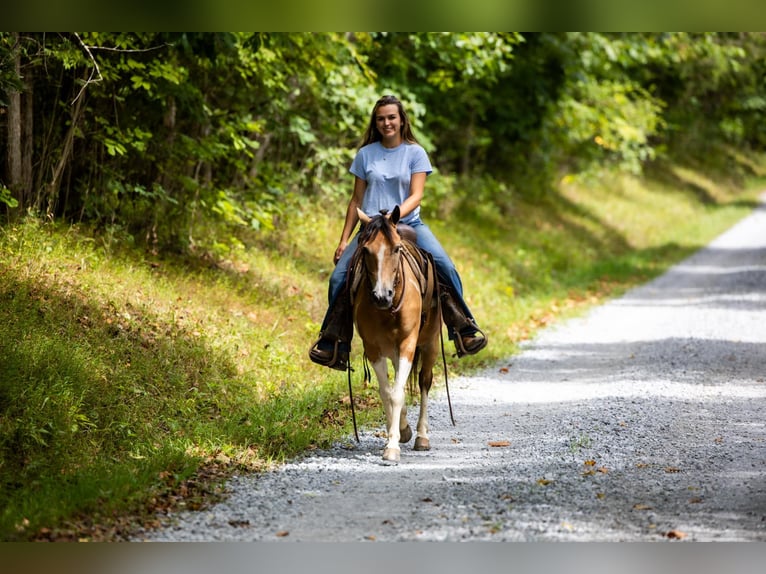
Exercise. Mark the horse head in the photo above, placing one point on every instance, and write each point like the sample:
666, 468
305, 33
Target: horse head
381, 248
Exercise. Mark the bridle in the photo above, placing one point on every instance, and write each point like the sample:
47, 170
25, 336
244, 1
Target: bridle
398, 276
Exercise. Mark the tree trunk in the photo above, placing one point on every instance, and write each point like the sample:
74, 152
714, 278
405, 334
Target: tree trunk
48, 198
15, 182
27, 135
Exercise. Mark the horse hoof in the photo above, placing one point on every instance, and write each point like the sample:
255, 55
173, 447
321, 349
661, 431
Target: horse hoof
422, 444
405, 435
391, 455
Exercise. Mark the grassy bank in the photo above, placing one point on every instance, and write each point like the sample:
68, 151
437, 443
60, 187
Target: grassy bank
130, 381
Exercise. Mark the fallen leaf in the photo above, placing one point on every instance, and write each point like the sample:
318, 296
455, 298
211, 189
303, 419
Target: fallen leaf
603, 469
641, 507
455, 441
282, 533
370, 537
589, 472
600, 495
590, 463
641, 465
504, 369
672, 469
695, 500
675, 534
499, 443
543, 481
718, 440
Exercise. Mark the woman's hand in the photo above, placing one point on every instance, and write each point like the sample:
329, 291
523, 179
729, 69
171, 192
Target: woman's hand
339, 251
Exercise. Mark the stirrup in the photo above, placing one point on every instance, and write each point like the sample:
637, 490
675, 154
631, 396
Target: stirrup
336, 359
479, 344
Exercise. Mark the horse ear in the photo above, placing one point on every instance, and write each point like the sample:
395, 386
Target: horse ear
363, 217
395, 215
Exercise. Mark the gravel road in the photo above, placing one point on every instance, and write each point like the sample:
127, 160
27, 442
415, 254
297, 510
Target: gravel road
642, 421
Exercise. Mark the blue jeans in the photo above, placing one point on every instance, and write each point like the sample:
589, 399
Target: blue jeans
445, 269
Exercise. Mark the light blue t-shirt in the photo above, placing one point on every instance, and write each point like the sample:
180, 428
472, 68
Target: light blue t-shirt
388, 173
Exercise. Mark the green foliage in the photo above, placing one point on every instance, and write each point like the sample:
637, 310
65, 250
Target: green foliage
7, 198
168, 134
175, 128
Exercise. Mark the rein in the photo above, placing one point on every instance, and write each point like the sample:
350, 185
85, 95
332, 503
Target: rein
446, 378
400, 277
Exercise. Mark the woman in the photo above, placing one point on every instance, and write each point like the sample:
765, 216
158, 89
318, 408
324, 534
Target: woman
390, 169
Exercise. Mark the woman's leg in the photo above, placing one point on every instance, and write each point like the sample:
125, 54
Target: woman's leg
462, 327
334, 344
448, 274
338, 278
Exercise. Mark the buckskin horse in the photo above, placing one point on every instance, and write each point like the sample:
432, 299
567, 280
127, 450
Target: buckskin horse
397, 315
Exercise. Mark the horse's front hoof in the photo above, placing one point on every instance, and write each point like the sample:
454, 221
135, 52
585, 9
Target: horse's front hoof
422, 444
405, 435
392, 455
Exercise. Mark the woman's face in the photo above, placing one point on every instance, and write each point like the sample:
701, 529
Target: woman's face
389, 123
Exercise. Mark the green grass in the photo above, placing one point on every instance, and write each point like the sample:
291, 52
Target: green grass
129, 379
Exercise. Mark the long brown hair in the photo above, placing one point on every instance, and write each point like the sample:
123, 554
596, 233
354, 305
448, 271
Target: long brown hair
373, 135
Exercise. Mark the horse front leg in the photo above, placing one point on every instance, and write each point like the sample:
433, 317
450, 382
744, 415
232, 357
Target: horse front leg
392, 396
387, 397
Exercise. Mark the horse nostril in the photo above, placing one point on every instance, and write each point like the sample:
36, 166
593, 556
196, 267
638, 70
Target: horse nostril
381, 300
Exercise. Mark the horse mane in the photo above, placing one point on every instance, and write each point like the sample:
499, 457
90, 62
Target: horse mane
377, 223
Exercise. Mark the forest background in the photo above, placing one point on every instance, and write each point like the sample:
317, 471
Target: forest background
170, 203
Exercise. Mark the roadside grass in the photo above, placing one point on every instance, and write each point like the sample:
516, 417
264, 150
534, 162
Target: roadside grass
132, 383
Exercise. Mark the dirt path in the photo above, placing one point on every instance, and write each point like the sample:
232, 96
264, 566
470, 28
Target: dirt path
644, 420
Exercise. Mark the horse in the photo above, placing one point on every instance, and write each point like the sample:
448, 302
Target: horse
397, 315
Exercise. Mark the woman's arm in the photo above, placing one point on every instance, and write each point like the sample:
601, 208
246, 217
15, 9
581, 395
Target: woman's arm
352, 218
417, 185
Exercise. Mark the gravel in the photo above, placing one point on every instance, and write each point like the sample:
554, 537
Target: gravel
640, 421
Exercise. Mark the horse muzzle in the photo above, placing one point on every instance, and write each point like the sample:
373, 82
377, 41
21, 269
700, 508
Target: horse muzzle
382, 300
